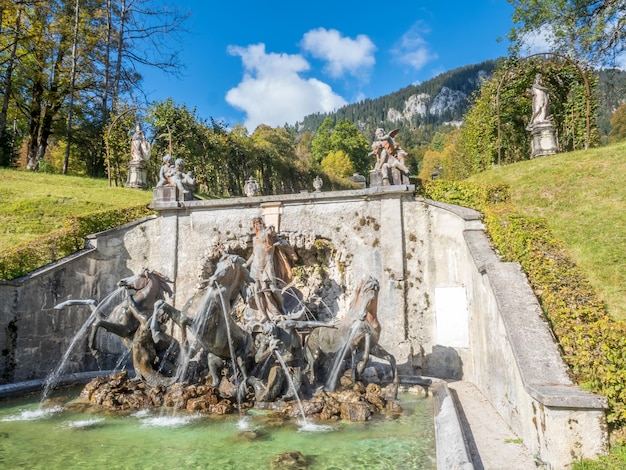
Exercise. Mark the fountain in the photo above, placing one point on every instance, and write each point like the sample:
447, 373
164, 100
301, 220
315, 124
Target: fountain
208, 362
450, 309
72, 439
213, 361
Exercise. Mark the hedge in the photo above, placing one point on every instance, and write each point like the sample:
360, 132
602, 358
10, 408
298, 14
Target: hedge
26, 257
592, 344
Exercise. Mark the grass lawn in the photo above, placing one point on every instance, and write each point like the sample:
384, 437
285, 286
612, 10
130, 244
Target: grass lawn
582, 195
37, 203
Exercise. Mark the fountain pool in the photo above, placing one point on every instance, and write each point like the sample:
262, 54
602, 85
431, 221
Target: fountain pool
66, 438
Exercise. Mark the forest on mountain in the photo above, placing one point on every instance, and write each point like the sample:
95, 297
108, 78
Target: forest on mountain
370, 114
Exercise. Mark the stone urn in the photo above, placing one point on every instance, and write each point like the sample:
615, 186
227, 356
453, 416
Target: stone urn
317, 184
251, 188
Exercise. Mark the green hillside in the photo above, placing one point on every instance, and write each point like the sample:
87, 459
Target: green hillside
37, 203
583, 197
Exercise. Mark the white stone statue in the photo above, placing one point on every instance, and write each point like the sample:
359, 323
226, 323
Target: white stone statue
139, 148
541, 101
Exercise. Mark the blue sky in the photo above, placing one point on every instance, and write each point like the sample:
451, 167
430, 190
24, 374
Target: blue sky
275, 62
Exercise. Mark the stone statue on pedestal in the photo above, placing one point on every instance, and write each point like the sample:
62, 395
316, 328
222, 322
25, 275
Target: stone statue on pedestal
140, 151
540, 126
174, 183
389, 168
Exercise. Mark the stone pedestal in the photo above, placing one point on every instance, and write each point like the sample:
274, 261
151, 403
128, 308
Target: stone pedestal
376, 178
137, 175
358, 179
543, 140
170, 194
393, 176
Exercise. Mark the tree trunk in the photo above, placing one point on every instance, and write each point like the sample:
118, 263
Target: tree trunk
53, 101
68, 131
8, 75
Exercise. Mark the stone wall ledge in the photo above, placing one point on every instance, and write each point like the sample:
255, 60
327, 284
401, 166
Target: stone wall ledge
566, 396
19, 389
542, 371
285, 199
452, 449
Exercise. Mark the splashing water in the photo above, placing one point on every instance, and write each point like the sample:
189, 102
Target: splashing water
230, 344
305, 425
33, 415
245, 424
84, 423
312, 427
215, 442
301, 309
334, 373
53, 378
141, 413
167, 421
292, 386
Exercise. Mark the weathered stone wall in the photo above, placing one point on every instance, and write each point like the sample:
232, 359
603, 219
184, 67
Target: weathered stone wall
409, 245
34, 335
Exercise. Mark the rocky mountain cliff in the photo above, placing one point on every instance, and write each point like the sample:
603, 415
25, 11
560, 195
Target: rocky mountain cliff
442, 100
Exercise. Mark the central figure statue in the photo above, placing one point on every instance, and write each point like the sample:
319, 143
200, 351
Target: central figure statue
270, 267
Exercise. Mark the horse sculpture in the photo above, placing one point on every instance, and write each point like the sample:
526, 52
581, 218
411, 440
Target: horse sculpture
358, 332
154, 361
210, 320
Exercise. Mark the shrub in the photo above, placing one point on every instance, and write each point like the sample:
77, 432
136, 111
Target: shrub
593, 345
26, 257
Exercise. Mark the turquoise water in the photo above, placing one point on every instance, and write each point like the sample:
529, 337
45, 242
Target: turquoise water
65, 439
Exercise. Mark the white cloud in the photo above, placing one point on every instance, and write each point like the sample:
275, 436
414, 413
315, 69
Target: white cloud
343, 54
412, 49
537, 41
272, 91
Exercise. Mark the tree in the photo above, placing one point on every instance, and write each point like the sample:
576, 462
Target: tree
431, 164
276, 159
72, 80
591, 29
6, 141
67, 66
618, 124
337, 164
342, 135
321, 143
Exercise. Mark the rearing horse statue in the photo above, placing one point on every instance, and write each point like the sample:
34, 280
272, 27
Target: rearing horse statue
358, 332
154, 361
208, 315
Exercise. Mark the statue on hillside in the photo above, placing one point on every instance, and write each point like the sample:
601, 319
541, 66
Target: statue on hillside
165, 171
140, 151
540, 103
172, 174
543, 137
185, 182
140, 148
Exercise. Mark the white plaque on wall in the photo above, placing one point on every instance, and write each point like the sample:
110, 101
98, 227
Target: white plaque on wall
451, 315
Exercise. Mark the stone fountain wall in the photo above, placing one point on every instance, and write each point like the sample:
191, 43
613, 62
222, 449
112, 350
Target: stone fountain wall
411, 246
415, 248
448, 307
